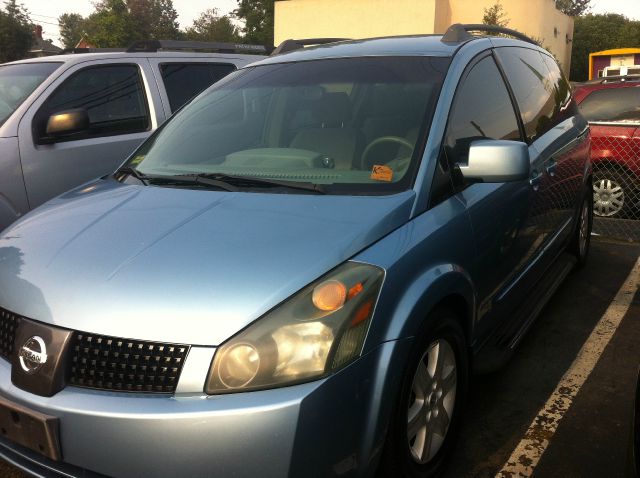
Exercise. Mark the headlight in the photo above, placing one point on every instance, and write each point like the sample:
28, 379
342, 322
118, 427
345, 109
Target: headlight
315, 332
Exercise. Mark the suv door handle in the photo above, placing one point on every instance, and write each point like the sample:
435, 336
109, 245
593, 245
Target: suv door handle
552, 167
535, 180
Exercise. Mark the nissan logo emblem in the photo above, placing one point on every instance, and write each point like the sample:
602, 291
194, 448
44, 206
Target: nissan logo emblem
33, 354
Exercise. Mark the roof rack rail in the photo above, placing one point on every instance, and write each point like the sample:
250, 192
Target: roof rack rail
459, 32
292, 45
152, 46
91, 50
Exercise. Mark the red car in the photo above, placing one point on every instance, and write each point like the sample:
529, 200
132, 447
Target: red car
612, 107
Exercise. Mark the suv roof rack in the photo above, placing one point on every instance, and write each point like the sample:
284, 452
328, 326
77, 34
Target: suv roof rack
459, 32
152, 46
90, 50
292, 45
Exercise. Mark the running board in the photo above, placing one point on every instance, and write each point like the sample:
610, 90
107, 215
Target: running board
557, 273
498, 350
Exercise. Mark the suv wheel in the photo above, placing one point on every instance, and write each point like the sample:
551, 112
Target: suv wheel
612, 193
426, 419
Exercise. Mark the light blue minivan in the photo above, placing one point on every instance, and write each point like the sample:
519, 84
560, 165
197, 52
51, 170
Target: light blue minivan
296, 274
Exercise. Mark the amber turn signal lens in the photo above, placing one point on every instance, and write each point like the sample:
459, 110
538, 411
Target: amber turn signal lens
355, 290
329, 295
362, 314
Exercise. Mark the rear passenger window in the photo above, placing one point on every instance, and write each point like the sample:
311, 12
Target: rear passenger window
565, 106
113, 96
481, 109
183, 81
533, 86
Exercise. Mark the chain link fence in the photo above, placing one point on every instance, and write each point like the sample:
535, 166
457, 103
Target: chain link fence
616, 183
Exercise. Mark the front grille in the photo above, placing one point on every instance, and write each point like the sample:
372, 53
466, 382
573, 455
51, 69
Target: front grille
111, 363
8, 325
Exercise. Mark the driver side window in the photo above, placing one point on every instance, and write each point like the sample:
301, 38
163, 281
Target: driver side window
482, 109
112, 95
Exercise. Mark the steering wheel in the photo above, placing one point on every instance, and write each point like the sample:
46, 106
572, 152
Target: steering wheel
381, 140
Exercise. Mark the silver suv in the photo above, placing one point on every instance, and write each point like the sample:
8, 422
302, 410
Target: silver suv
68, 119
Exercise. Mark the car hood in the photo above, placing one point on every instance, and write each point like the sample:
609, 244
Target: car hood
179, 265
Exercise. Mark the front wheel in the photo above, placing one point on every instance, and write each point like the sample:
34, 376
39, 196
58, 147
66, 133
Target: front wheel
426, 419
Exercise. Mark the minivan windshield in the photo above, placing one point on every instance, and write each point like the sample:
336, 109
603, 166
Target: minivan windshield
17, 82
347, 125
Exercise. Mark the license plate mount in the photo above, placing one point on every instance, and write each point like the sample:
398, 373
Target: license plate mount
29, 428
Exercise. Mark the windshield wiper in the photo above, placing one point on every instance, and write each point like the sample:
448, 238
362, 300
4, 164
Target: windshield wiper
129, 171
191, 179
222, 181
249, 181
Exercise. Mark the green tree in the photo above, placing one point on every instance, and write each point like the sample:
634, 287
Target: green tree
72, 27
495, 15
210, 26
593, 33
111, 25
16, 30
573, 8
629, 35
154, 18
258, 20
118, 23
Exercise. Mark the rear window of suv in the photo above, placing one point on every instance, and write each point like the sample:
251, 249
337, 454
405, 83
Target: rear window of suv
183, 81
612, 105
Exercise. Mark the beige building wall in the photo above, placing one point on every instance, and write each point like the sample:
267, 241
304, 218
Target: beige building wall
538, 19
373, 18
352, 18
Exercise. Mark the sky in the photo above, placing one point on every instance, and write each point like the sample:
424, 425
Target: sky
46, 12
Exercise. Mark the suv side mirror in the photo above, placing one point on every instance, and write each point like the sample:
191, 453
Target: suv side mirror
497, 161
67, 122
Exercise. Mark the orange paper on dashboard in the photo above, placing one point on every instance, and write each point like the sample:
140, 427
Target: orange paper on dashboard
382, 173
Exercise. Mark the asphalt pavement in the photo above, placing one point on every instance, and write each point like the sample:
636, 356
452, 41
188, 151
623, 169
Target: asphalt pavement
592, 436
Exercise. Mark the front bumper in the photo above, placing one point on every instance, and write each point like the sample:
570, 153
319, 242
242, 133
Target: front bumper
322, 428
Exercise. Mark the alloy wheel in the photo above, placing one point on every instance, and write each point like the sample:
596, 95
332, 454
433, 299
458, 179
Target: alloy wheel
432, 400
608, 197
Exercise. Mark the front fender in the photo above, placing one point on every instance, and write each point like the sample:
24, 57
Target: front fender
442, 283
426, 262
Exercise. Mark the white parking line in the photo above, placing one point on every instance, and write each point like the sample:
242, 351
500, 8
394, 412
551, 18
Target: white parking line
527, 454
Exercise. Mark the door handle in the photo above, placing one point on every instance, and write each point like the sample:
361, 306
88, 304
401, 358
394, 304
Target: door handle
552, 167
535, 180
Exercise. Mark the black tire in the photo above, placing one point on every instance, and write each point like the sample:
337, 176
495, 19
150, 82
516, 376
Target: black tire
609, 182
397, 458
578, 249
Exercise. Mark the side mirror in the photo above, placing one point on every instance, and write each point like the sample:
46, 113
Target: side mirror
497, 161
67, 122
